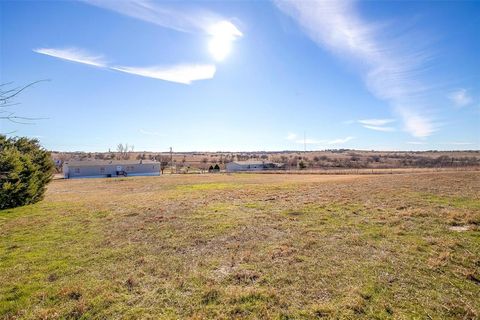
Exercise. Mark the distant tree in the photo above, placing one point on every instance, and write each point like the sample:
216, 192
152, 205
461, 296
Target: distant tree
123, 151
375, 158
204, 163
25, 170
242, 157
293, 162
164, 161
302, 165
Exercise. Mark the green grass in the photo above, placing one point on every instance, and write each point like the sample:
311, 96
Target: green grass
245, 246
457, 202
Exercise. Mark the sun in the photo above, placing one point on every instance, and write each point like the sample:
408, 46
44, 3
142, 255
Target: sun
222, 34
220, 47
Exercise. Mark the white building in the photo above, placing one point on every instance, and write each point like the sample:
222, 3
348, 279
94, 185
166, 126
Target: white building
110, 168
253, 165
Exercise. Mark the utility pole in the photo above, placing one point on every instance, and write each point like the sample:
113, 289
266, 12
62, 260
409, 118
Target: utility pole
171, 160
304, 142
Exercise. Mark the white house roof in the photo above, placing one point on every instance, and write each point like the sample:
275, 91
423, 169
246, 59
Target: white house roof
251, 162
87, 163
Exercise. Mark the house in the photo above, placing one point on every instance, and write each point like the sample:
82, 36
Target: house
253, 165
110, 168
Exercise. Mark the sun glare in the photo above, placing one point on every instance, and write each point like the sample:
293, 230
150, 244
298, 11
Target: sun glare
223, 34
220, 47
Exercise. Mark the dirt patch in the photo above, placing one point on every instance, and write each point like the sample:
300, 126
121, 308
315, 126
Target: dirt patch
460, 228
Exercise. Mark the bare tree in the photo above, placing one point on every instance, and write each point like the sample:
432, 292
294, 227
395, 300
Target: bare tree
204, 166
123, 151
7, 100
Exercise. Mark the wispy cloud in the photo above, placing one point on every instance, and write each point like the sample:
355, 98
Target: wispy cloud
179, 18
421, 127
181, 73
74, 55
460, 98
390, 71
379, 128
376, 122
184, 73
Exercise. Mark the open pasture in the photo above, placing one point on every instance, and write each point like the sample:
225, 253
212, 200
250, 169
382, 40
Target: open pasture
246, 246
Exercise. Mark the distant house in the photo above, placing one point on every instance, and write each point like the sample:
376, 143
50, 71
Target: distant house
252, 165
112, 168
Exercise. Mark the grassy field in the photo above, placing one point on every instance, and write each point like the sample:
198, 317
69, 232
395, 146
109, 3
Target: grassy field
403, 246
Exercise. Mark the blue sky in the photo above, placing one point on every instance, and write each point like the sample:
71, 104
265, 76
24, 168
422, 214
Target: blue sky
245, 75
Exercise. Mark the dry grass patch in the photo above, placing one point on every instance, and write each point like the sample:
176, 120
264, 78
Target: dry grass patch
246, 246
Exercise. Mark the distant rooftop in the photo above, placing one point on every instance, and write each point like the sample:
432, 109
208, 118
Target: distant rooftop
252, 162
82, 163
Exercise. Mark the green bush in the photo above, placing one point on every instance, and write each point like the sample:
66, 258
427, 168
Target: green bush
25, 170
302, 165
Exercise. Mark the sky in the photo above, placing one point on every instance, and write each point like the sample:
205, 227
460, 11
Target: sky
244, 75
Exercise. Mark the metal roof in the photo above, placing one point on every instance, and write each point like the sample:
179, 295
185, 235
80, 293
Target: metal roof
85, 163
252, 162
